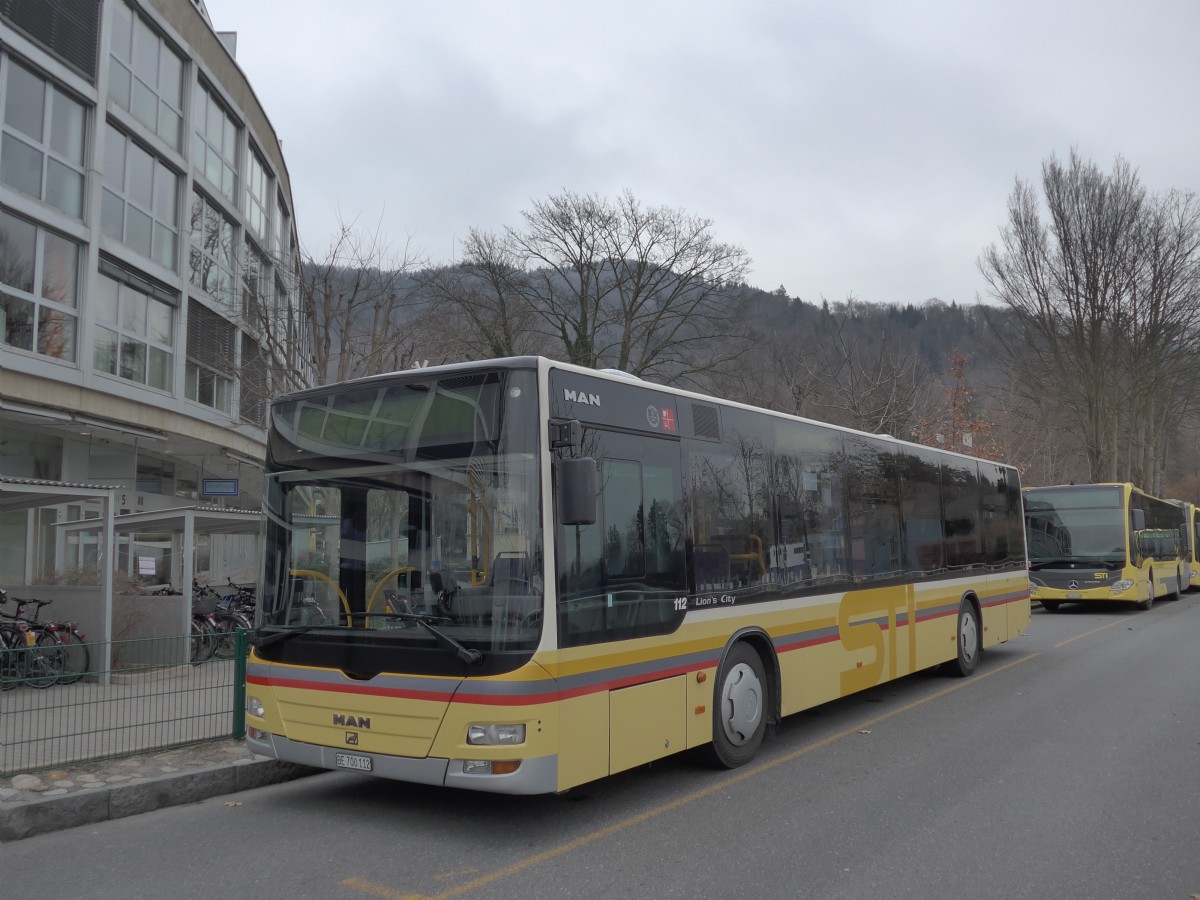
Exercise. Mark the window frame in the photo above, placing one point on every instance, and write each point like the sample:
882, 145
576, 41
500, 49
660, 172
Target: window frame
198, 246
204, 100
130, 67
127, 284
45, 144
36, 295
122, 192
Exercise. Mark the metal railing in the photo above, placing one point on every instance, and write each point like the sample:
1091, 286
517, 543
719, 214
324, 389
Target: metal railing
136, 696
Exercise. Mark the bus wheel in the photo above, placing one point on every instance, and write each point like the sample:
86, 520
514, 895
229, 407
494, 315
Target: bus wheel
739, 708
1178, 592
1049, 605
1149, 601
968, 642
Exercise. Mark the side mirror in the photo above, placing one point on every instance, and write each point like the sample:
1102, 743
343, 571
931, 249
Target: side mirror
1139, 519
575, 484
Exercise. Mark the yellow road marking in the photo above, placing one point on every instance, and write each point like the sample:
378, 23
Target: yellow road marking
377, 890
1086, 633
716, 787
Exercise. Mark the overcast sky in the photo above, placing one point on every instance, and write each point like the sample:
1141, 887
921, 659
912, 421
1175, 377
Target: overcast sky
864, 148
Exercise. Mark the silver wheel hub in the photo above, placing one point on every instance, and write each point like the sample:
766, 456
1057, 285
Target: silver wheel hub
741, 704
968, 636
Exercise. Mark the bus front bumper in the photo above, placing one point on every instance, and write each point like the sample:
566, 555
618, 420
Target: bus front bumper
533, 776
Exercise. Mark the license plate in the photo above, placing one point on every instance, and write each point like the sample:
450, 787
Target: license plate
1074, 596
353, 761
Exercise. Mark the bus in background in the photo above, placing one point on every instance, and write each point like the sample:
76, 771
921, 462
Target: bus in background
536, 574
1191, 543
1103, 542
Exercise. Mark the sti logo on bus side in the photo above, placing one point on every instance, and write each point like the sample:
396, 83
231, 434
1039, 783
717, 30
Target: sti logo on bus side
351, 721
581, 397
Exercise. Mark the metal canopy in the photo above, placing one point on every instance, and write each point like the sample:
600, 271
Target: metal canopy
30, 493
204, 520
18, 494
186, 522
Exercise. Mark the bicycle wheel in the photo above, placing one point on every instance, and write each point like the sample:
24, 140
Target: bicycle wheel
199, 646
225, 642
44, 661
10, 671
77, 658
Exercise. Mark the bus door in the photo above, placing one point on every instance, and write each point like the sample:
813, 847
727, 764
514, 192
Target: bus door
620, 578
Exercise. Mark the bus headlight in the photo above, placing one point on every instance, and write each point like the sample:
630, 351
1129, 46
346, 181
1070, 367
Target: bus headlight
1120, 587
254, 706
491, 735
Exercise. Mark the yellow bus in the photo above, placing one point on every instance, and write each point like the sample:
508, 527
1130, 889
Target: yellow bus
1103, 542
520, 575
1191, 542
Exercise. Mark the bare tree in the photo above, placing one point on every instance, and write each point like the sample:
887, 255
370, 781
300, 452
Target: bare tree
487, 292
354, 296
1104, 297
834, 375
646, 290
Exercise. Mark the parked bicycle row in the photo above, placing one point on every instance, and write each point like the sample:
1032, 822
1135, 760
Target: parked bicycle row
41, 652
215, 618
37, 652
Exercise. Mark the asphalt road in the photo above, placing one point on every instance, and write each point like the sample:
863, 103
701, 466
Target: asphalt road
1068, 766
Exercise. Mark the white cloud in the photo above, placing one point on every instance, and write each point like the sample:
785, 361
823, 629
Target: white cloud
861, 148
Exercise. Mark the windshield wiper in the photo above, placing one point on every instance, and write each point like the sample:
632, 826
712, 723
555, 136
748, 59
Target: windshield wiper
468, 655
260, 639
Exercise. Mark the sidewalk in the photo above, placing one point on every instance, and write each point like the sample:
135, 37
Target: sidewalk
83, 793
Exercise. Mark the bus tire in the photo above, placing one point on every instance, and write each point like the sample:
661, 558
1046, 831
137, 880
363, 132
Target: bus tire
1149, 601
1178, 592
740, 708
1049, 605
967, 641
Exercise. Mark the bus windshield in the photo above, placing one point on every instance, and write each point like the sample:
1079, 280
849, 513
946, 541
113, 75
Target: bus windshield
1073, 525
405, 514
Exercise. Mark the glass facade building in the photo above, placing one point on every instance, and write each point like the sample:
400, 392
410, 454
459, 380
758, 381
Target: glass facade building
148, 276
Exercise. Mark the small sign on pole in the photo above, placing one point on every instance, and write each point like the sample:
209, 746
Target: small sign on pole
218, 487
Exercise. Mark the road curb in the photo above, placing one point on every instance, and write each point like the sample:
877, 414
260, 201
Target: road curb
45, 814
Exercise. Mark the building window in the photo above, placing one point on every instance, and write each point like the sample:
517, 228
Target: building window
146, 76
39, 284
279, 242
41, 152
212, 259
258, 197
214, 148
210, 358
134, 333
255, 383
257, 308
141, 203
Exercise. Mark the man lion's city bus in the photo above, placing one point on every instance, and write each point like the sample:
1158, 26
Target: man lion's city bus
520, 575
1104, 542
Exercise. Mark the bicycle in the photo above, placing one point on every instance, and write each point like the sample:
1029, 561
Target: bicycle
12, 654
73, 648
231, 613
32, 652
205, 630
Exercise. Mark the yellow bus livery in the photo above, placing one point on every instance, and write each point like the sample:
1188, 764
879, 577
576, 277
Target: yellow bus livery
520, 575
1104, 542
